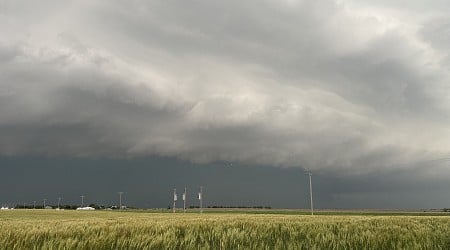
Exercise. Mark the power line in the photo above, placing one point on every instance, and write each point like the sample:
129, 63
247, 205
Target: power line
309, 173
120, 199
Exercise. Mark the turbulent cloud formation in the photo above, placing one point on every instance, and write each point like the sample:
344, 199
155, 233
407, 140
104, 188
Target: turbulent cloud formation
348, 86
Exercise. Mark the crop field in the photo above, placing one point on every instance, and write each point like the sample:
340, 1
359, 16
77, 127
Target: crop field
50, 229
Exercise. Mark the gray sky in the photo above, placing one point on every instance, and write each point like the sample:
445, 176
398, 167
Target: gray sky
356, 91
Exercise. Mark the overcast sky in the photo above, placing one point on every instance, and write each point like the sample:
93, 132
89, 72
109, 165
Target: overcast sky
356, 91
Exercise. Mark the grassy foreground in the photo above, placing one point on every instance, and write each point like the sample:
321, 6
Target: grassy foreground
37, 229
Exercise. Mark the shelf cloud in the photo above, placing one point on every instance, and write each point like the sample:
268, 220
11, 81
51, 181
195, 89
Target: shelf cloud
340, 86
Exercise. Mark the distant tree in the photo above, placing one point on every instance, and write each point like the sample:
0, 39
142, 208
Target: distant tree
94, 206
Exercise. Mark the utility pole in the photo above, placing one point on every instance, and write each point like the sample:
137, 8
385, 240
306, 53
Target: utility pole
184, 199
82, 200
120, 200
310, 191
200, 197
174, 198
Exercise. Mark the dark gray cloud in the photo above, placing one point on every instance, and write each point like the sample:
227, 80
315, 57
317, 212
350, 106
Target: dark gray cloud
149, 182
335, 86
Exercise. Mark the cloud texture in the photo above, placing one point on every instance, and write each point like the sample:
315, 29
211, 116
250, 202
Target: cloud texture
347, 86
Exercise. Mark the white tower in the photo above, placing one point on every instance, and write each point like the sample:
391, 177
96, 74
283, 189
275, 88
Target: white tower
175, 198
184, 199
200, 198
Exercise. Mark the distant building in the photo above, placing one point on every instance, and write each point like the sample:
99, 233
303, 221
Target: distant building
85, 208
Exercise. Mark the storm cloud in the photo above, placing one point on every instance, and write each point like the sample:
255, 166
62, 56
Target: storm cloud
333, 86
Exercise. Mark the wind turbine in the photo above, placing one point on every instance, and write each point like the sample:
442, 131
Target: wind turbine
308, 172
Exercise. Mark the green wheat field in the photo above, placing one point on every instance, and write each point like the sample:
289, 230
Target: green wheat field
50, 229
